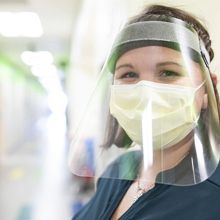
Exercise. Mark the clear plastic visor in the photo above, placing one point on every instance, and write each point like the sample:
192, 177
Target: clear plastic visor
153, 112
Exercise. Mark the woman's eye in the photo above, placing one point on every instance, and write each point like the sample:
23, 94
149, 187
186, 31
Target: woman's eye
129, 75
166, 73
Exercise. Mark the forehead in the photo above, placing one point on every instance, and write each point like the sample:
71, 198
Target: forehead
155, 54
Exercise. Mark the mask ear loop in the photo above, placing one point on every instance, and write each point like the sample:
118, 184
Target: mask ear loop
200, 85
197, 119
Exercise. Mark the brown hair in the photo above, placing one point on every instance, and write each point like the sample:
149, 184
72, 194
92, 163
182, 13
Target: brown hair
119, 137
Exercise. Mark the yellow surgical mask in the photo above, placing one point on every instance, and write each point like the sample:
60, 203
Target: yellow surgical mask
170, 107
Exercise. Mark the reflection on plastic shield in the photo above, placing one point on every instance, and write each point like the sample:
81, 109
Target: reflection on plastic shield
147, 115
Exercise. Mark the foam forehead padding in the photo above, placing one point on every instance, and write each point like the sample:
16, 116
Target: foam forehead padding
172, 34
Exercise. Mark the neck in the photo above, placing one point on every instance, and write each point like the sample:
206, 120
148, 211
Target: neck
165, 159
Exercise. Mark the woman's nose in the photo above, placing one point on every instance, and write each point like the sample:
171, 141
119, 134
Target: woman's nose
147, 76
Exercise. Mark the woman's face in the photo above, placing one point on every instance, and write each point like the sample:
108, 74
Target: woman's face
161, 65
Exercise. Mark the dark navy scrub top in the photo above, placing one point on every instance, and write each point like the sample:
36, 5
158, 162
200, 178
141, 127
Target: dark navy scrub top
163, 202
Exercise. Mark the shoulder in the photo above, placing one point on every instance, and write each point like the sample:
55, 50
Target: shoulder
106, 190
125, 166
109, 185
215, 177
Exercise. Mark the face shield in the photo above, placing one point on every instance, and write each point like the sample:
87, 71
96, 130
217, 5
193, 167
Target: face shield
153, 110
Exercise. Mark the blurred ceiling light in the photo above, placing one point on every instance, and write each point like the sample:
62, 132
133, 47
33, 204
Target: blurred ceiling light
50, 83
33, 58
41, 70
57, 102
20, 24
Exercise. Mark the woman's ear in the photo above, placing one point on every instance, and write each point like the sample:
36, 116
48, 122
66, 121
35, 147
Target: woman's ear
205, 101
214, 76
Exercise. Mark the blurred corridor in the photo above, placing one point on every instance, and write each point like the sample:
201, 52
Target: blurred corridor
34, 176
35, 182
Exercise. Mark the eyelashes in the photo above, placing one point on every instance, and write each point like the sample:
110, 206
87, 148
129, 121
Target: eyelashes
169, 73
164, 73
129, 75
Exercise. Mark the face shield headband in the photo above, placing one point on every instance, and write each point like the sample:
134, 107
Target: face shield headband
172, 33
101, 147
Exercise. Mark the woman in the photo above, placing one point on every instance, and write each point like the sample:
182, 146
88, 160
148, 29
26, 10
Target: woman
160, 152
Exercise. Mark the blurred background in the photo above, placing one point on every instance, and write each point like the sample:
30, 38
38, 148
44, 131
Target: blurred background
51, 54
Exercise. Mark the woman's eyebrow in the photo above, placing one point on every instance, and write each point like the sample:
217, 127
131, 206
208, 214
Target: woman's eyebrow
125, 65
169, 63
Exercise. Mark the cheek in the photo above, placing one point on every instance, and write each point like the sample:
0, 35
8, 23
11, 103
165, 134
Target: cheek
199, 100
116, 82
196, 76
